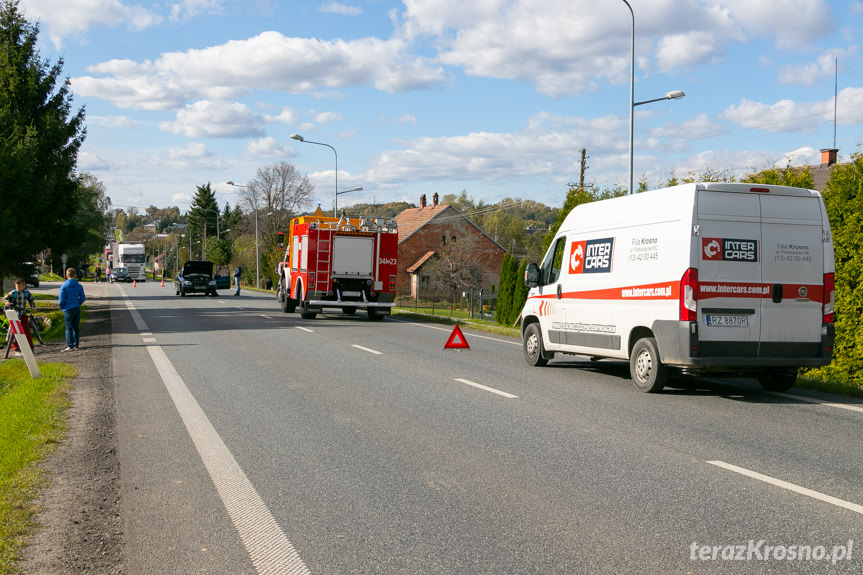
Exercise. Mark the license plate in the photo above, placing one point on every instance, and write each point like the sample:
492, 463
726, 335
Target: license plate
352, 293
727, 321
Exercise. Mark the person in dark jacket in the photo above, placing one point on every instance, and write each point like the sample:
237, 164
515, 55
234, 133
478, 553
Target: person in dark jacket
18, 299
238, 271
70, 300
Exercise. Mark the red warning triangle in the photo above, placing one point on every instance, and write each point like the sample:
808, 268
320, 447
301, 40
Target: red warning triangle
456, 340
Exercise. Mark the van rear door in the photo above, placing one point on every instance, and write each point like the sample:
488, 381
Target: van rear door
793, 271
760, 273
729, 273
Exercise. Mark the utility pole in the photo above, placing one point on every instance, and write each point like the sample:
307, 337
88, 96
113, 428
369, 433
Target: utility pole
583, 168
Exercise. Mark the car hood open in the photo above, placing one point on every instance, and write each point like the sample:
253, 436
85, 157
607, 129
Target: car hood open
198, 267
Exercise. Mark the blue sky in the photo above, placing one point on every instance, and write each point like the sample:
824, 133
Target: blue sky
495, 97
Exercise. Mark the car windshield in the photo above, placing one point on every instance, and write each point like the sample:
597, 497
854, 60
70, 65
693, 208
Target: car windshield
119, 270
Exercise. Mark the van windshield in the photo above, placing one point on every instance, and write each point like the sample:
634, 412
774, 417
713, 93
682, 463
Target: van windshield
553, 263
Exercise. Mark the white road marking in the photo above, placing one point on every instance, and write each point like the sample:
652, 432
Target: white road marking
304, 328
265, 316
858, 408
472, 335
483, 387
269, 549
149, 340
790, 486
374, 351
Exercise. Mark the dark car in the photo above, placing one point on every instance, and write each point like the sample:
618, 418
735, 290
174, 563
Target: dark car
223, 279
195, 277
31, 274
119, 275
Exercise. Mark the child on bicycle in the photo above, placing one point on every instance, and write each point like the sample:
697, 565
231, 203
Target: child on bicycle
18, 299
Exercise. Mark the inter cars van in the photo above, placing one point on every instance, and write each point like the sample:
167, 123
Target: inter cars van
700, 278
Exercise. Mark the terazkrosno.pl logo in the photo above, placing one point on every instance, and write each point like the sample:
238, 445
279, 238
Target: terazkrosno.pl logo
760, 551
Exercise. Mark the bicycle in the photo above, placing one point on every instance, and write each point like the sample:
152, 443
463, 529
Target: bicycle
35, 331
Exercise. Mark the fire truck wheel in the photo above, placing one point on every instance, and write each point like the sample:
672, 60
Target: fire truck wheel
648, 373
781, 380
288, 305
532, 346
374, 315
305, 314
349, 310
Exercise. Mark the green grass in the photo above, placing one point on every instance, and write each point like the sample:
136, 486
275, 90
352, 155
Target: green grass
816, 381
32, 422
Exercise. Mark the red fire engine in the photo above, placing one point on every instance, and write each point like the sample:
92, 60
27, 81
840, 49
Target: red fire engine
345, 263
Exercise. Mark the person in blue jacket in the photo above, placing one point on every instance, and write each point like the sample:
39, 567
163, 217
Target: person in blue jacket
70, 300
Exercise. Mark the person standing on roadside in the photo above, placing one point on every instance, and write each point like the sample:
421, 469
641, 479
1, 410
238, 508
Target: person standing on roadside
18, 299
70, 300
98, 272
238, 271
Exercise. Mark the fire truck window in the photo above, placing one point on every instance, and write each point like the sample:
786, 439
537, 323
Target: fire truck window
553, 263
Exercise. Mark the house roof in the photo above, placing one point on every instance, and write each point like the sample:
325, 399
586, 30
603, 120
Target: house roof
821, 175
418, 264
412, 219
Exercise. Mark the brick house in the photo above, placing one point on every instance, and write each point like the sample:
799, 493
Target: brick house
425, 229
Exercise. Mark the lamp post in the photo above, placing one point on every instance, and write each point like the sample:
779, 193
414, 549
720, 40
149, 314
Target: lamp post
299, 138
357, 189
673, 95
257, 257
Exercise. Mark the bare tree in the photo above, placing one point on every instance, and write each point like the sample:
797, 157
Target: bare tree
454, 269
280, 191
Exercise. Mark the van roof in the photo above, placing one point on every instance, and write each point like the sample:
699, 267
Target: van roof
662, 205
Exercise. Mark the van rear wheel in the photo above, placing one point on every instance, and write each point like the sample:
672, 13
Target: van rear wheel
781, 380
648, 373
532, 346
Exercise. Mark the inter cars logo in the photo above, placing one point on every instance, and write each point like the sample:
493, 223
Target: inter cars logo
591, 256
729, 250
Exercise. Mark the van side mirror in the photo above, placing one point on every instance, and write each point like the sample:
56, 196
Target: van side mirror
531, 275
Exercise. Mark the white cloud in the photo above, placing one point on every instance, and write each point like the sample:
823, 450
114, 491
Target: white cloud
268, 148
206, 119
810, 74
195, 156
790, 116
793, 24
686, 50
287, 116
191, 8
327, 117
343, 9
269, 61
113, 121
63, 18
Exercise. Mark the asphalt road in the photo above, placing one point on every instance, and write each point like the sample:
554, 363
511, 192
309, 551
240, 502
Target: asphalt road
253, 441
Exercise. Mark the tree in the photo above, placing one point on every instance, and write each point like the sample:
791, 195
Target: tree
506, 287
281, 192
843, 197
204, 212
454, 269
798, 178
39, 141
519, 295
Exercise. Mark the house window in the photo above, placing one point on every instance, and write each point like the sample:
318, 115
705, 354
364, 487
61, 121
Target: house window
443, 240
424, 281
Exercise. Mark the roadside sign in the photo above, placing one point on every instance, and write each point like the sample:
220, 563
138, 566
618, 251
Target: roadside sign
23, 344
456, 340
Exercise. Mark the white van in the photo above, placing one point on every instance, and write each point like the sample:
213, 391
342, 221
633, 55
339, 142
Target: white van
700, 278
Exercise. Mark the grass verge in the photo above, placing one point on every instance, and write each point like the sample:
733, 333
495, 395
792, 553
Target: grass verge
32, 422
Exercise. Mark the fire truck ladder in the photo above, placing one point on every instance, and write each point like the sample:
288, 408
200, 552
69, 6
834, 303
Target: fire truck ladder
322, 264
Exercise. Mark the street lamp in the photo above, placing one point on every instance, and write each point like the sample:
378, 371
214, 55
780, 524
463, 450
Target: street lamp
257, 257
673, 95
299, 138
357, 189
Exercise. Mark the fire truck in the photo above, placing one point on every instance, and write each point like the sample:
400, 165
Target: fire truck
344, 263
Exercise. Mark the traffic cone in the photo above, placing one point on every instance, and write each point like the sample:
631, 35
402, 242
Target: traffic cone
163, 282
134, 283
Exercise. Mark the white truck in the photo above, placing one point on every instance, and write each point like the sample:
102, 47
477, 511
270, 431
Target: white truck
699, 278
133, 258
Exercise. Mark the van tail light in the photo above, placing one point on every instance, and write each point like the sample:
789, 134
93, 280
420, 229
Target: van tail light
689, 295
829, 297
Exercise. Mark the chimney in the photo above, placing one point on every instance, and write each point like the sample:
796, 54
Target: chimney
434, 199
423, 201
828, 156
